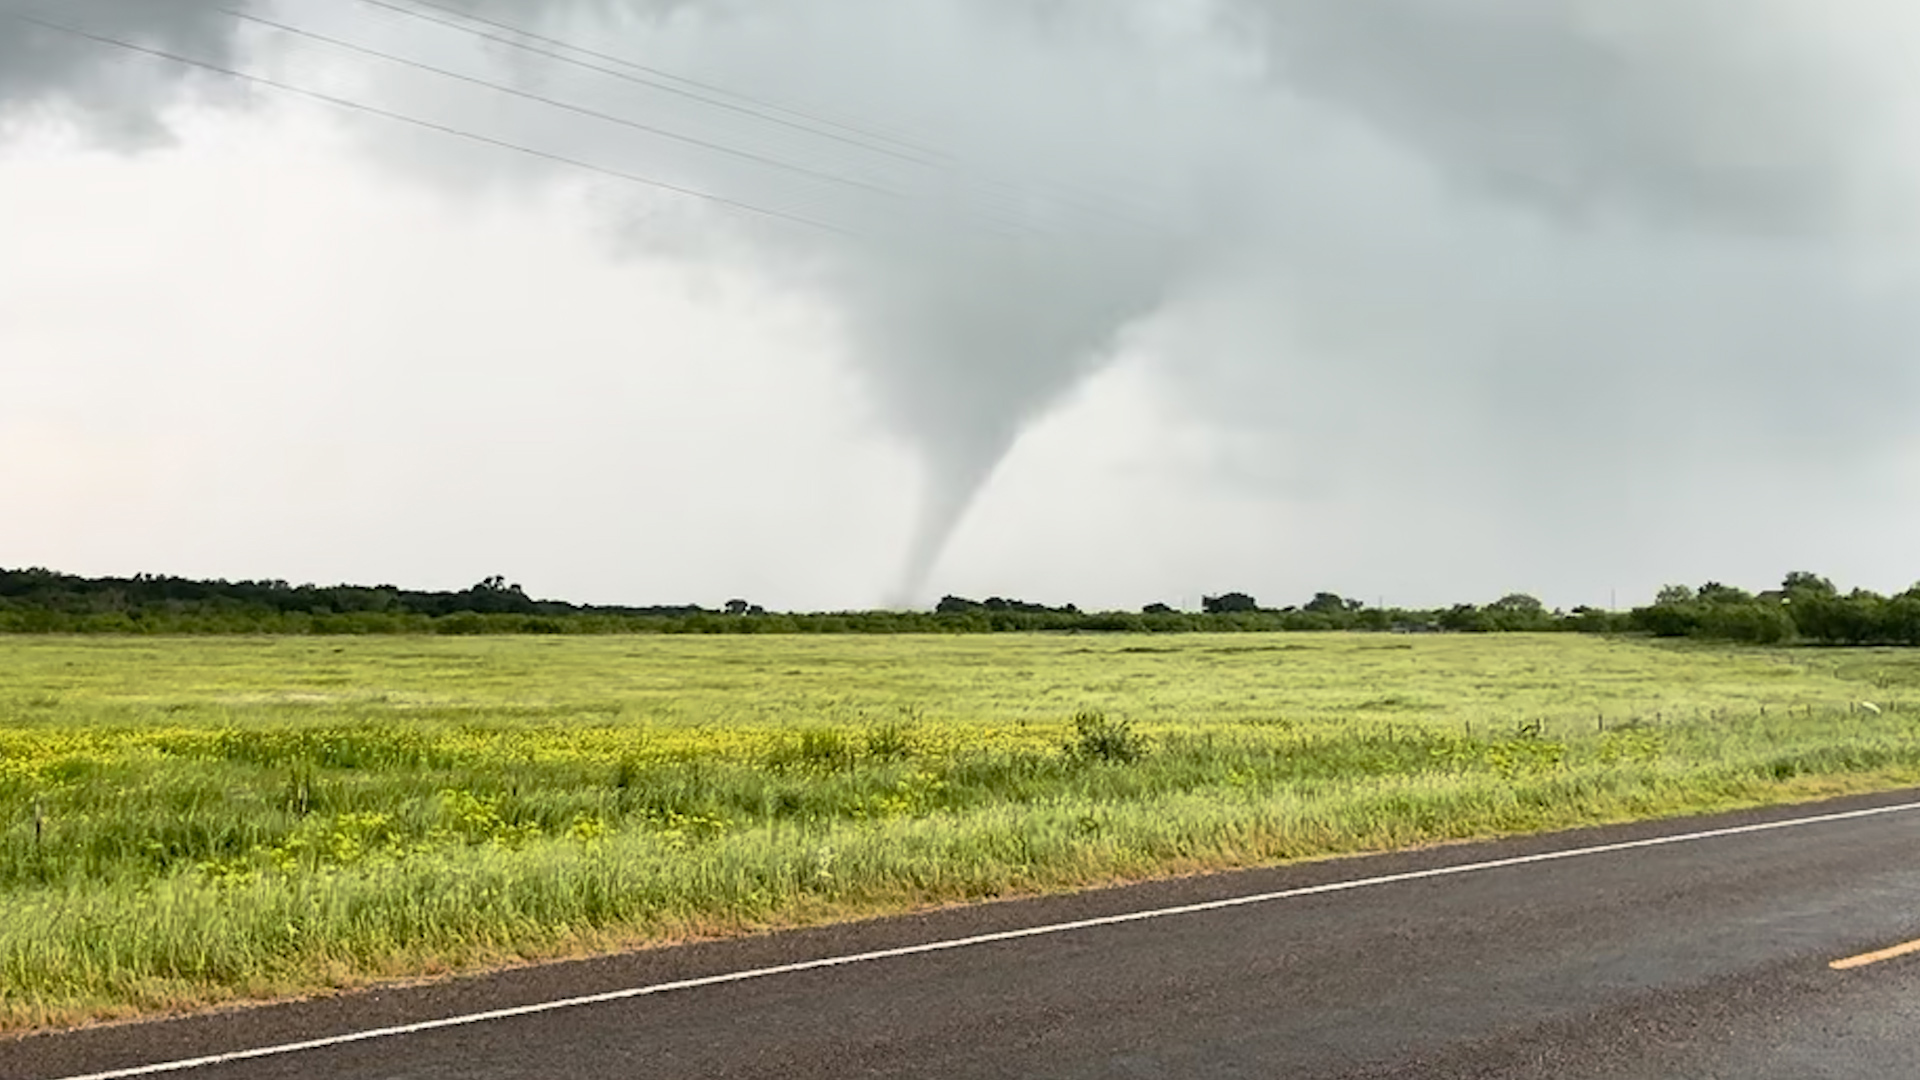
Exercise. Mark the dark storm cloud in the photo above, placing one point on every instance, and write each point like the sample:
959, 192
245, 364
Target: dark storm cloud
48, 70
1692, 110
1664, 221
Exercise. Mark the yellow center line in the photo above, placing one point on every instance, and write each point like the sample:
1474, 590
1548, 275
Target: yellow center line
1864, 959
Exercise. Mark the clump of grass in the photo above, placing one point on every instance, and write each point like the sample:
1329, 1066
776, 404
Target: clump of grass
891, 741
819, 749
1097, 737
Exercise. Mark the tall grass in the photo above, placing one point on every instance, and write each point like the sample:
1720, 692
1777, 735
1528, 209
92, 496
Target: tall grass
190, 822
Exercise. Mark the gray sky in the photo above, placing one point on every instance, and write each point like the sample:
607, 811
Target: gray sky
1108, 301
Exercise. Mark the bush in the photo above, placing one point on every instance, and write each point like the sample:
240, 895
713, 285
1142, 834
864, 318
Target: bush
1755, 623
1097, 738
1671, 619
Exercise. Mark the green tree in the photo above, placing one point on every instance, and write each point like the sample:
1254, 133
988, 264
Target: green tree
1802, 583
1229, 604
1518, 604
1327, 603
1673, 594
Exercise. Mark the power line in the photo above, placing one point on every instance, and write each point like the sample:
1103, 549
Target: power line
1002, 221
557, 103
653, 83
635, 65
922, 156
430, 125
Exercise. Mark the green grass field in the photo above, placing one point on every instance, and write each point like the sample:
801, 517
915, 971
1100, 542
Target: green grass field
190, 821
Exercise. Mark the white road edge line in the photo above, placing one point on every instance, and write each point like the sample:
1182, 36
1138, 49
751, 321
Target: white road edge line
980, 939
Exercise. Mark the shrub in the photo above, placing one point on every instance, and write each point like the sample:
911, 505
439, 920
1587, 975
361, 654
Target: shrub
1098, 738
1755, 623
1668, 619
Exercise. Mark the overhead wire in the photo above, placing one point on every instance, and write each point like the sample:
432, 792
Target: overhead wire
997, 220
1000, 224
922, 155
1000, 219
760, 113
581, 110
430, 125
634, 65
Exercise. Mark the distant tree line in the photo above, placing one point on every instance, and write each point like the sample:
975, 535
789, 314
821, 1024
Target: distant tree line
37, 598
1805, 608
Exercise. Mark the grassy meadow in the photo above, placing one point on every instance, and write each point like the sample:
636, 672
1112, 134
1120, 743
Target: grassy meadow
190, 821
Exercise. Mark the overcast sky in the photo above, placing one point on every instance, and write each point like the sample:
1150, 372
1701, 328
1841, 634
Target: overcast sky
853, 302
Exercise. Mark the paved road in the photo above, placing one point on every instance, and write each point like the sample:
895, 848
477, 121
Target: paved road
1704, 958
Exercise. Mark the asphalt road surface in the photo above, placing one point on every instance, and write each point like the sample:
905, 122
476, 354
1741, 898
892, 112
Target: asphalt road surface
1692, 956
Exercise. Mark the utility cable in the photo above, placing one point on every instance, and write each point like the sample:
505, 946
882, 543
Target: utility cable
665, 133
430, 125
634, 65
1003, 221
921, 155
625, 76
